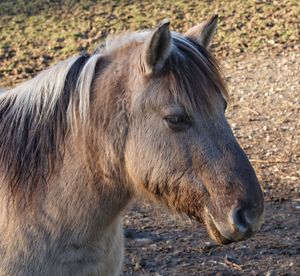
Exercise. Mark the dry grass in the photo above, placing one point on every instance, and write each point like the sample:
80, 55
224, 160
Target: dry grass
35, 34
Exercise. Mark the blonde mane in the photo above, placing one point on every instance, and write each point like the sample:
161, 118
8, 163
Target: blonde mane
36, 116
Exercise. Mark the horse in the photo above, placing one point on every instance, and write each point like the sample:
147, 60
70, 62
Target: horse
144, 115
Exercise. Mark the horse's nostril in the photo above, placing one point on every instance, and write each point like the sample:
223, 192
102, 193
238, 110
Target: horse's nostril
240, 221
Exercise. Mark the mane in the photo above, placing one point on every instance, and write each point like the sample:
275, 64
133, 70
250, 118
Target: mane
35, 118
191, 68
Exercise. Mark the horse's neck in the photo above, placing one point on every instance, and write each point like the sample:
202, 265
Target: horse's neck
77, 212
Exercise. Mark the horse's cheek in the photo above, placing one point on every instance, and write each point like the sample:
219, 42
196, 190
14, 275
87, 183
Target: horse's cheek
133, 164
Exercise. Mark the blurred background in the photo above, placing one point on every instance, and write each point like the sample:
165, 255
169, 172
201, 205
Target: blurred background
258, 47
36, 33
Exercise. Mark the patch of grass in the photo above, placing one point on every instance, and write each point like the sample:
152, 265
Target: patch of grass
32, 29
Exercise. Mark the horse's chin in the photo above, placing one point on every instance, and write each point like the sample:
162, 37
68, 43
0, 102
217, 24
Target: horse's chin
215, 234
213, 231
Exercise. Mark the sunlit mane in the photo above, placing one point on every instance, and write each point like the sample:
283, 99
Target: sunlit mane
196, 74
36, 116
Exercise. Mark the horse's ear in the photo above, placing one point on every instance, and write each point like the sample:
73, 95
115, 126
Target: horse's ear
204, 32
157, 48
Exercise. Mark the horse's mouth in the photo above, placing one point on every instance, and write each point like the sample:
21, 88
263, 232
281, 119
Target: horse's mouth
225, 234
215, 234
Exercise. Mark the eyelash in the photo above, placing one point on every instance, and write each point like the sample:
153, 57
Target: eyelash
177, 122
174, 119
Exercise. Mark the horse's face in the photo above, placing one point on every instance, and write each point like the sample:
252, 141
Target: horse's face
187, 157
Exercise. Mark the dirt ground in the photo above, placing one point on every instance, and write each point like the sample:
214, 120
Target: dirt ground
264, 113
258, 45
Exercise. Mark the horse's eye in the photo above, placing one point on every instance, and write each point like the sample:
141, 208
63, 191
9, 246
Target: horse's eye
177, 122
174, 119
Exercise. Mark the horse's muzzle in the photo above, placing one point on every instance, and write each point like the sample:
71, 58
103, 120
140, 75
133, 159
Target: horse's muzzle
239, 225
